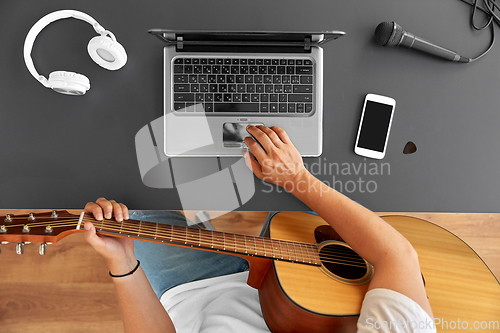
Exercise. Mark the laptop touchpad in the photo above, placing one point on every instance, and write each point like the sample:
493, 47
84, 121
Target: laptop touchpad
234, 133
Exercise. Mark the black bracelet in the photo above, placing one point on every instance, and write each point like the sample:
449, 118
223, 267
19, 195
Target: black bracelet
129, 273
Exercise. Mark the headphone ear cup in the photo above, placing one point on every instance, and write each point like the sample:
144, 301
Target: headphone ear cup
69, 83
107, 53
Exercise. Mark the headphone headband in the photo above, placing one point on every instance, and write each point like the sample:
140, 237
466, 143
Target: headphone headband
45, 21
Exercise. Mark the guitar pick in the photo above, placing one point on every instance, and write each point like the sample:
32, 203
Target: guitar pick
410, 148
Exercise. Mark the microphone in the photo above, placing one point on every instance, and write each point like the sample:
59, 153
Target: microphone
391, 34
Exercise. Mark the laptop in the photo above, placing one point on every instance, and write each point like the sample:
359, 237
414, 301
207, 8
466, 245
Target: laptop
218, 82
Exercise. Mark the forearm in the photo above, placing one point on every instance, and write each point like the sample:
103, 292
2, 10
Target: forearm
141, 309
370, 236
395, 261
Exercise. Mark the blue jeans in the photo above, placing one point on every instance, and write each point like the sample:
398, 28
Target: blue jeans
168, 266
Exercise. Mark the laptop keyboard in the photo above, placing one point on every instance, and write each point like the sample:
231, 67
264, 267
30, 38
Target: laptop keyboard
243, 85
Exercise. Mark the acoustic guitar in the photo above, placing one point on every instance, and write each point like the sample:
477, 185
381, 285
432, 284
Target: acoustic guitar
309, 280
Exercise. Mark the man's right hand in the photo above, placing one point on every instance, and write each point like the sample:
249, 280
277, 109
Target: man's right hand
279, 162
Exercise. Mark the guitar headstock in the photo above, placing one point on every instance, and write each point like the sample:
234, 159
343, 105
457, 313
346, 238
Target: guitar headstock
42, 228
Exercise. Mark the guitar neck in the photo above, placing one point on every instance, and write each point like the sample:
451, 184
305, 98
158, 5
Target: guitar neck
51, 227
209, 240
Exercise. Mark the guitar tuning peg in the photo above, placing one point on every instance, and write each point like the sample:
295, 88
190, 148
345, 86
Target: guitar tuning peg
31, 217
54, 214
20, 248
42, 248
8, 218
3, 243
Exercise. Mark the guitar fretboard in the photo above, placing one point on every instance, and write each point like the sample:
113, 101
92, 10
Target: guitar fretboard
211, 240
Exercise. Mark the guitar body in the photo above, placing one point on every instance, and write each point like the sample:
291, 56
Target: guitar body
460, 286
299, 298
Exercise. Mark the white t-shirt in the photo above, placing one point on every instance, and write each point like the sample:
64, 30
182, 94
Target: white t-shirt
228, 304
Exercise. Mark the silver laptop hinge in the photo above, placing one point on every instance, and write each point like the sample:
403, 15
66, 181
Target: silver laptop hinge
180, 42
307, 44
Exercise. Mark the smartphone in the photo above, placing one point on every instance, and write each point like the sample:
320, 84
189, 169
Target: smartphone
374, 127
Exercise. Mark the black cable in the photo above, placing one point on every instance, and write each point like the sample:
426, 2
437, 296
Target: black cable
488, 10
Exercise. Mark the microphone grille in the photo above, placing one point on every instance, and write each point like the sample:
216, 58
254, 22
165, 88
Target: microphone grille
388, 33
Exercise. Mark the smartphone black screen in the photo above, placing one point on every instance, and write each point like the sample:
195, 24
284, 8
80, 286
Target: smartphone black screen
375, 124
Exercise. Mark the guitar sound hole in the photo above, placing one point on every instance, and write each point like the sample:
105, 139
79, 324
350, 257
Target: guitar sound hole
340, 260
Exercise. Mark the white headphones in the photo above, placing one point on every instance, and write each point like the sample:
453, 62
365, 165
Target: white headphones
103, 49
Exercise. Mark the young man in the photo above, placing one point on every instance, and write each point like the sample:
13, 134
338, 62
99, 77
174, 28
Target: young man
206, 292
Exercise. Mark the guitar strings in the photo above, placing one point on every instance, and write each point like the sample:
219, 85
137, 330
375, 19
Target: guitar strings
177, 233
199, 238
200, 241
240, 243
191, 236
310, 250
341, 260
